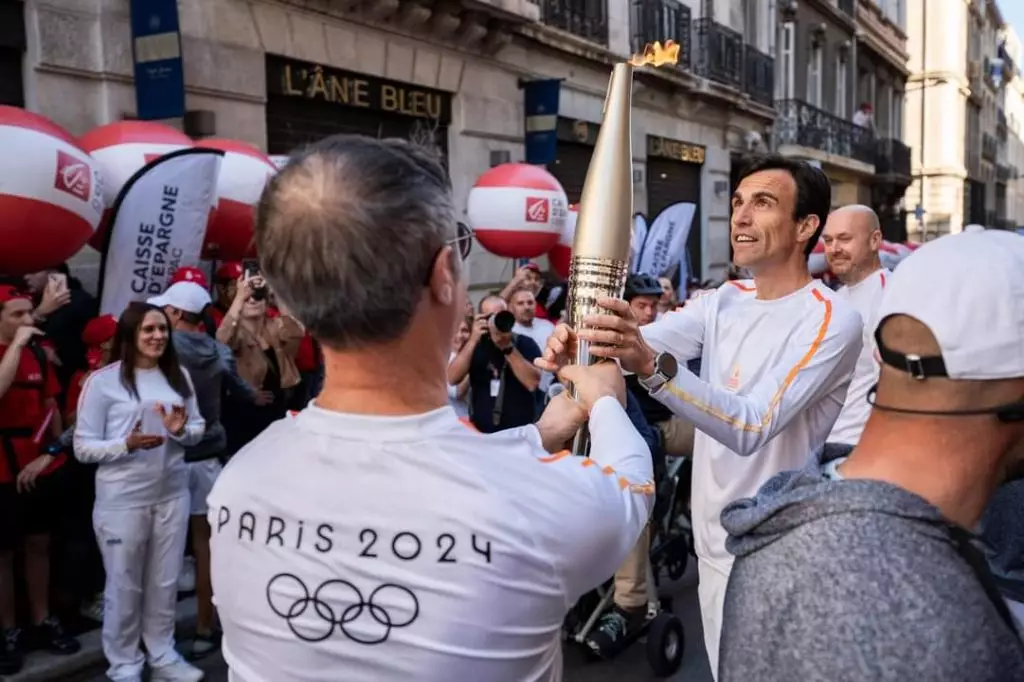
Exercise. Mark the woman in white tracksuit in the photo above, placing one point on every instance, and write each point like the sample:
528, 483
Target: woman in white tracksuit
134, 418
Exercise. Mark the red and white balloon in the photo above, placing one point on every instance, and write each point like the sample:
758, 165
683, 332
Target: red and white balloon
121, 149
51, 193
560, 256
244, 172
816, 262
517, 210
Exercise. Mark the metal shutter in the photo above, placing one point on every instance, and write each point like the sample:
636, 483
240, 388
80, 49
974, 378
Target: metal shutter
570, 168
669, 182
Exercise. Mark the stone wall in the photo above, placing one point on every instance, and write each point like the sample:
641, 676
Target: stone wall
80, 76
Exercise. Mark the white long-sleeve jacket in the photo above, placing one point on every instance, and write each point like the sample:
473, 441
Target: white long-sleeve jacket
107, 413
774, 375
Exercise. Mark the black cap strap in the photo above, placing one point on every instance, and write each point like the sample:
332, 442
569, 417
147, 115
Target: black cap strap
915, 365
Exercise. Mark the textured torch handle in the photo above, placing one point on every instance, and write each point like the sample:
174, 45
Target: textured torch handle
589, 280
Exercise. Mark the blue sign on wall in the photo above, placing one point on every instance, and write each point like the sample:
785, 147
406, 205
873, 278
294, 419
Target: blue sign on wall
156, 51
541, 111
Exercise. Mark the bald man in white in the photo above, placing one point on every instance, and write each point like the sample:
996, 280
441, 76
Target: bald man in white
852, 238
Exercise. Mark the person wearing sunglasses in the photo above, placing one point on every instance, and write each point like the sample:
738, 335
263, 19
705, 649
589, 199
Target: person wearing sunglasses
372, 535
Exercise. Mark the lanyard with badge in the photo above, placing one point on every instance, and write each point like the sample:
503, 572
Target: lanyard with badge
497, 389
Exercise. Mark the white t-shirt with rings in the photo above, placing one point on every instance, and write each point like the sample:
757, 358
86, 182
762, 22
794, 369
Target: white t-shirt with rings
370, 548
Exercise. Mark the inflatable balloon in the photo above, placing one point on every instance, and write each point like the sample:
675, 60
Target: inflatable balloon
51, 193
560, 255
122, 148
244, 172
816, 262
517, 210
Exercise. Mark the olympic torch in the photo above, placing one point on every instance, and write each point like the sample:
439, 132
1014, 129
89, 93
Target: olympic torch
600, 250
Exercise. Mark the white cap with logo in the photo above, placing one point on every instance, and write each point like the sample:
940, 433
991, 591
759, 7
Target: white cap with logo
968, 289
186, 296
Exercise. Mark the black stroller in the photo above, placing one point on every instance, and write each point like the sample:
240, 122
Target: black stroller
671, 547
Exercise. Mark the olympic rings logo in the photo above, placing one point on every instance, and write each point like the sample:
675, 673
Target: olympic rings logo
338, 604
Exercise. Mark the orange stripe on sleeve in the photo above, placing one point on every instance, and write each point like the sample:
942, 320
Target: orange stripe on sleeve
777, 398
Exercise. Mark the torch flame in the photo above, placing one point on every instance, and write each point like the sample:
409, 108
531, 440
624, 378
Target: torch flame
656, 54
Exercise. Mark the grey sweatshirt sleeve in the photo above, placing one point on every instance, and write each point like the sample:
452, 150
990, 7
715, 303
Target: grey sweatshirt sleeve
862, 596
232, 381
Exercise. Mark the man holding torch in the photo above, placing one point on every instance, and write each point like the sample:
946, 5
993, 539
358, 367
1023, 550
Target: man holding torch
777, 354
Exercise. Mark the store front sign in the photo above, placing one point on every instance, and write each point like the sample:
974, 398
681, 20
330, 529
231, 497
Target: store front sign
663, 147
291, 78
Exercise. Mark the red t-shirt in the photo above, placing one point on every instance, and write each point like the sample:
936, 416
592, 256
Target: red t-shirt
23, 407
540, 312
305, 356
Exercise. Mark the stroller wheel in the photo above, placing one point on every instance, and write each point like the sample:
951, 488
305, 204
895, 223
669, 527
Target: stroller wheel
665, 644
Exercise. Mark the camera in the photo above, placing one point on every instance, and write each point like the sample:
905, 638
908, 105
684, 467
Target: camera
503, 321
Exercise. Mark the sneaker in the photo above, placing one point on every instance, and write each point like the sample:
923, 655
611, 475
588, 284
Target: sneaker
179, 671
203, 645
50, 636
187, 579
612, 631
11, 651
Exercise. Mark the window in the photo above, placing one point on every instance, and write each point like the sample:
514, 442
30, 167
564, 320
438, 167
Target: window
814, 76
784, 65
841, 88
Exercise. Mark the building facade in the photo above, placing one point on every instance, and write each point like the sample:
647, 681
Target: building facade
815, 91
280, 73
1013, 106
881, 84
955, 112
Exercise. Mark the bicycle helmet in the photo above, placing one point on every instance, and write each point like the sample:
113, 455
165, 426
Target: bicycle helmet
640, 284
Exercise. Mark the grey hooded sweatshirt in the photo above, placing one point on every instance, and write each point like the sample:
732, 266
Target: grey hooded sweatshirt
211, 366
858, 581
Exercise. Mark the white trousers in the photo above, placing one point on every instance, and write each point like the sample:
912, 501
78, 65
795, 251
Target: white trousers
711, 592
142, 553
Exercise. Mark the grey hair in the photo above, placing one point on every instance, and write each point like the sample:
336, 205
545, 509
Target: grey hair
348, 232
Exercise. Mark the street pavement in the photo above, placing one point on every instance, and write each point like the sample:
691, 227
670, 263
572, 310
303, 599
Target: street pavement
630, 666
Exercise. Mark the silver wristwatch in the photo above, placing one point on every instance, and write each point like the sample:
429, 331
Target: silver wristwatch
665, 370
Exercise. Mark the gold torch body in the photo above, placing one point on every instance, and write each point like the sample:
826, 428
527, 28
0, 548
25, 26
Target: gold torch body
604, 224
600, 252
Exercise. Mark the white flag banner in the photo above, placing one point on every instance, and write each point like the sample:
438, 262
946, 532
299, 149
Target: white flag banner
636, 240
158, 224
666, 239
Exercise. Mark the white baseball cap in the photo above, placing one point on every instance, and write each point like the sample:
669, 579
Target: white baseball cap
968, 289
186, 296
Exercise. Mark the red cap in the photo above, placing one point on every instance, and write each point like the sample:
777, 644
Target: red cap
532, 266
190, 274
10, 293
99, 330
230, 270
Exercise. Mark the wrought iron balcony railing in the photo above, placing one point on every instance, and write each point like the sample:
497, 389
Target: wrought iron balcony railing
847, 6
759, 81
719, 53
587, 19
892, 157
989, 147
661, 20
799, 123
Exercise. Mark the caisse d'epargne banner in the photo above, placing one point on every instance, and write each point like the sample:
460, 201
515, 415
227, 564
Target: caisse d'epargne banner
158, 224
